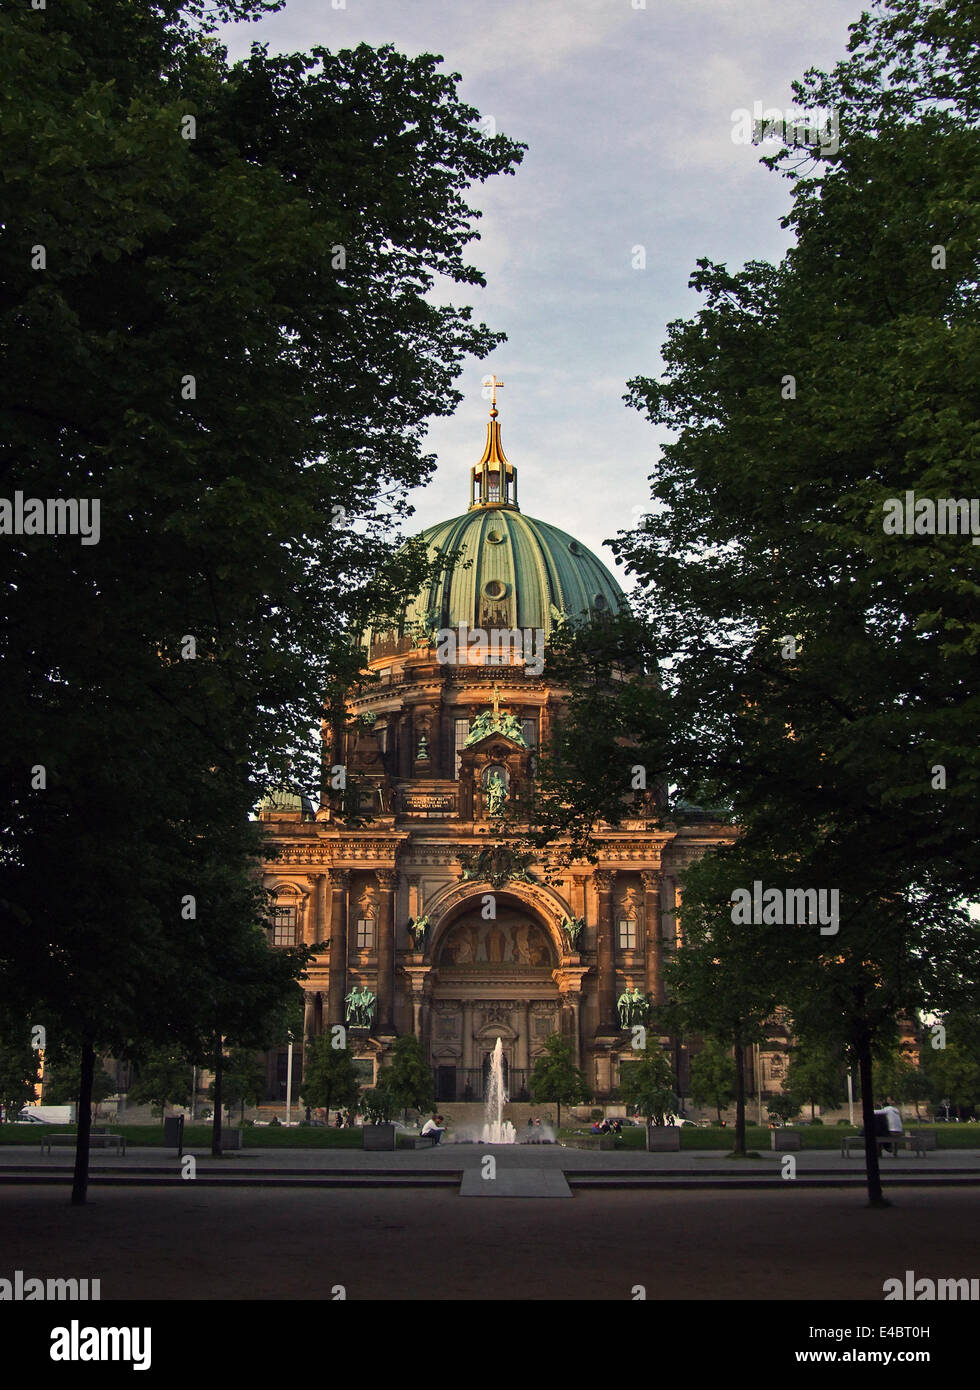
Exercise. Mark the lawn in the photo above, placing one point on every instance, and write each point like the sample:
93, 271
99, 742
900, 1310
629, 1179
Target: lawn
960, 1136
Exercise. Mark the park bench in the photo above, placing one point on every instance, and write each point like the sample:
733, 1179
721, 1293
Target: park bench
785, 1139
96, 1141
918, 1143
419, 1141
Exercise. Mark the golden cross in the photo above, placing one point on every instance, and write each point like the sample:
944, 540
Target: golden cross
493, 383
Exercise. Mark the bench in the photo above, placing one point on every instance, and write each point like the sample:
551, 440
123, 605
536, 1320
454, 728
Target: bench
96, 1141
418, 1141
900, 1141
785, 1139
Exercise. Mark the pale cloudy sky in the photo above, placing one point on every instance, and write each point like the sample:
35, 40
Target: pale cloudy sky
627, 113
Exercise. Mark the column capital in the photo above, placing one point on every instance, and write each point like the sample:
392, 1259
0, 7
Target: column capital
604, 879
652, 879
387, 878
340, 878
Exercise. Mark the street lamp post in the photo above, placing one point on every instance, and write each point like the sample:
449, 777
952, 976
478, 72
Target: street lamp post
289, 1076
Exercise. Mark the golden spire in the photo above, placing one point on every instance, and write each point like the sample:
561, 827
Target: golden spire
493, 481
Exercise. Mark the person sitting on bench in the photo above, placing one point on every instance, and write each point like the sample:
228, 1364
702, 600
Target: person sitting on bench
435, 1128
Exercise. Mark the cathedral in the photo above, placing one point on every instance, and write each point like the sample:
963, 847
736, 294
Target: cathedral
424, 917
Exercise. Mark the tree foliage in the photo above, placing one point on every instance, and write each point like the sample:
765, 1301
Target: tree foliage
650, 1085
329, 1076
555, 1077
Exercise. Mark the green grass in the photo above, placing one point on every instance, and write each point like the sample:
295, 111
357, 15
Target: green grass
199, 1136
961, 1136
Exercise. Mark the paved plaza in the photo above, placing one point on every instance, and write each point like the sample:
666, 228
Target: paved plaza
295, 1224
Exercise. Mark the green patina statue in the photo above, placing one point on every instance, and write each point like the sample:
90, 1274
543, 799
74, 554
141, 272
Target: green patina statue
495, 721
633, 1008
360, 1007
496, 794
572, 927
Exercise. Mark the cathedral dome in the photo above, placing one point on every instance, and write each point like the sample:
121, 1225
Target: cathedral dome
511, 571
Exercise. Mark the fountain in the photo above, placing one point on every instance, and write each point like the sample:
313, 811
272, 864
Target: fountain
497, 1130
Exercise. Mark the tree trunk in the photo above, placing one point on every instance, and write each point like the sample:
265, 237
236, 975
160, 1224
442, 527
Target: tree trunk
216, 1121
79, 1189
739, 1100
876, 1197
558, 1123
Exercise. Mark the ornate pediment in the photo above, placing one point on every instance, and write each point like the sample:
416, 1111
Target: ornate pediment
496, 865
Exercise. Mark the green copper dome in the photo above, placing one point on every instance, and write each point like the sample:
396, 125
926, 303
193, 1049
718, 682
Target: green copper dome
521, 573
510, 571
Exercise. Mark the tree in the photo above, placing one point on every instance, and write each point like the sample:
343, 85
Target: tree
19, 1073
649, 1085
713, 1076
815, 1073
329, 1076
63, 1085
819, 681
162, 1078
243, 1080
783, 1107
408, 1078
248, 425
725, 981
555, 1077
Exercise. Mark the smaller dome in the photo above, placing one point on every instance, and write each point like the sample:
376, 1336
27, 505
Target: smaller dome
282, 802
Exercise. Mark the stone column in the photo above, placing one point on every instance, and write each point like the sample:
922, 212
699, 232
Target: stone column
467, 1034
605, 880
523, 1049
340, 879
318, 922
383, 1017
576, 1001
414, 895
309, 1010
654, 940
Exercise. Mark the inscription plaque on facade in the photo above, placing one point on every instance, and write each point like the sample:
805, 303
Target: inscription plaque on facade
426, 801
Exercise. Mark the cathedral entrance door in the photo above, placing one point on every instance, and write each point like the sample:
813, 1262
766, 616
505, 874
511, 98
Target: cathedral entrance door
445, 1083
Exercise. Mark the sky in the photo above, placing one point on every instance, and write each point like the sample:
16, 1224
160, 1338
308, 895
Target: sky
627, 111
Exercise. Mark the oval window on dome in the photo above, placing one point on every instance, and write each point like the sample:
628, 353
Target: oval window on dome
574, 547
599, 603
495, 588
494, 538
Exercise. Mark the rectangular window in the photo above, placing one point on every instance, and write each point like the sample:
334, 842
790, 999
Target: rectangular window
462, 730
284, 926
365, 933
529, 728
627, 934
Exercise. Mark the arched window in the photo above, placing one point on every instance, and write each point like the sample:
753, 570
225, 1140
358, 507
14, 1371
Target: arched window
285, 920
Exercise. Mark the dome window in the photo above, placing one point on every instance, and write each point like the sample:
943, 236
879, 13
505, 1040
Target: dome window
599, 603
574, 547
495, 538
495, 589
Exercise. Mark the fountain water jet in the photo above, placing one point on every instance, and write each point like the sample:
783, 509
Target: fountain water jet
497, 1130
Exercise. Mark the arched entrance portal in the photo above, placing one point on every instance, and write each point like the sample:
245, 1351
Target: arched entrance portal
491, 977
